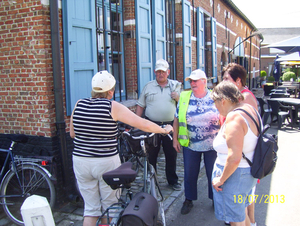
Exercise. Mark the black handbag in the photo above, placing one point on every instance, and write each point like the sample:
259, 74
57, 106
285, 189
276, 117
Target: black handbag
265, 153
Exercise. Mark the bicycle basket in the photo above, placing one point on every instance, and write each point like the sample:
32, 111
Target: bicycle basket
135, 144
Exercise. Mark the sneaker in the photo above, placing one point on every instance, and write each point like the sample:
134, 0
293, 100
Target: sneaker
176, 187
227, 222
186, 207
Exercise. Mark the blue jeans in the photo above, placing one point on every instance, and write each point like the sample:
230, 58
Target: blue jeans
192, 160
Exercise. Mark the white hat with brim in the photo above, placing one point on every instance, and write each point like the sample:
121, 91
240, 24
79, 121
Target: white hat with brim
161, 65
103, 82
196, 75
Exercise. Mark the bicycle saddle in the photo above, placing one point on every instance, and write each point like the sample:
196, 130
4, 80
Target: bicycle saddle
120, 177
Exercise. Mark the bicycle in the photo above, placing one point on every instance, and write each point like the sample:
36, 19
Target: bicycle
25, 177
123, 176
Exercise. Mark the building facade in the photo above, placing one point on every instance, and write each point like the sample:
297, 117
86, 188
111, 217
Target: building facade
50, 50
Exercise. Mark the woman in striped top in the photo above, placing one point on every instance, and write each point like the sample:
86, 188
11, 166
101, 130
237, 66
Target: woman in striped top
94, 129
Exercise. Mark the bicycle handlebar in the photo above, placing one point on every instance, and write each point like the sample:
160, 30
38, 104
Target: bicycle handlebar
138, 134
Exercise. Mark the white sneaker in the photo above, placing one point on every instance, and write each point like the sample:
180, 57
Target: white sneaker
227, 222
253, 224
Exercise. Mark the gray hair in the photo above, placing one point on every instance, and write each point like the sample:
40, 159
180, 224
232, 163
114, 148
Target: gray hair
228, 91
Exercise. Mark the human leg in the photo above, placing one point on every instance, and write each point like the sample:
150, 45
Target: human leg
209, 161
153, 151
88, 172
251, 207
191, 161
90, 221
171, 157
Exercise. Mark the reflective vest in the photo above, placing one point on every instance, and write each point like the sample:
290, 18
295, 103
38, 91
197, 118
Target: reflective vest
183, 106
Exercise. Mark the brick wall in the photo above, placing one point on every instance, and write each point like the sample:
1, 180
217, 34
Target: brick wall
26, 96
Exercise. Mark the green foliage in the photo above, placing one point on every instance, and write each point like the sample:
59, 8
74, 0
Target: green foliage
288, 75
263, 73
270, 79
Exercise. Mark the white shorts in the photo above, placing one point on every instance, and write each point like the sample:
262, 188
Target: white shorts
97, 195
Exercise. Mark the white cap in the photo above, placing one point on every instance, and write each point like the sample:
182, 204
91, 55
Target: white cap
161, 65
103, 81
196, 75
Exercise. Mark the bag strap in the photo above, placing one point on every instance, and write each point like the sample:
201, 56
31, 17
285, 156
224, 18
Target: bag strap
257, 126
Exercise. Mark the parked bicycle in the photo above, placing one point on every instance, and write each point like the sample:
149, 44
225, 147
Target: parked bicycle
122, 177
25, 177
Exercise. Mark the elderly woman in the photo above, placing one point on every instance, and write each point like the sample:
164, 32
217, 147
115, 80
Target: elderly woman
196, 124
237, 74
94, 127
232, 180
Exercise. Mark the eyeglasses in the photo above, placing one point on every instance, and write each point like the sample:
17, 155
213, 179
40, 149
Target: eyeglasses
202, 79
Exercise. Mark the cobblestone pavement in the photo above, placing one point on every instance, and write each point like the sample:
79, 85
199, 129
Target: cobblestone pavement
71, 213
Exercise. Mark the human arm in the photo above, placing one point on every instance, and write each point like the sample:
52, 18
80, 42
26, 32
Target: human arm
249, 99
176, 144
235, 131
72, 132
175, 93
121, 113
139, 110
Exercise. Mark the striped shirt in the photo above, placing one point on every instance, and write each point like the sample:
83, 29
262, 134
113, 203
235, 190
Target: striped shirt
95, 130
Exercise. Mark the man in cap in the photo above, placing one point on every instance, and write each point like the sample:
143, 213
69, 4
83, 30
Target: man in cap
159, 98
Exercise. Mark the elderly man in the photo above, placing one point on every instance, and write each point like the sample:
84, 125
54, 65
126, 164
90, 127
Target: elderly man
159, 98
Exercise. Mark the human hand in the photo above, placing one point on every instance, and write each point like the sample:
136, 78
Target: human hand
176, 145
216, 183
175, 96
168, 128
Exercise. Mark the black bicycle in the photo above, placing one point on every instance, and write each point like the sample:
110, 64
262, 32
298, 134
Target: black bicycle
123, 176
24, 177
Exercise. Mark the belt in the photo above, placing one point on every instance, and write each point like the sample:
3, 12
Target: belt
160, 123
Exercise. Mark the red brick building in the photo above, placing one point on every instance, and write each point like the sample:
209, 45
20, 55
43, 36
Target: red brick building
49, 53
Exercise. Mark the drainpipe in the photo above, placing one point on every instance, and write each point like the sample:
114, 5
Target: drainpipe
58, 90
250, 61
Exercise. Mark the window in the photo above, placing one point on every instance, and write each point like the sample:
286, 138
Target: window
110, 46
170, 38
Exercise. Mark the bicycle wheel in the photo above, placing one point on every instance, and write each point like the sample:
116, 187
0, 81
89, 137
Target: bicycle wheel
157, 194
34, 181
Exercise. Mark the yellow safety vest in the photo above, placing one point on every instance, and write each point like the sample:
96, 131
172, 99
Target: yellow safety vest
183, 106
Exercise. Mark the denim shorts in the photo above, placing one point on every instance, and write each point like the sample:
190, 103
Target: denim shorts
230, 203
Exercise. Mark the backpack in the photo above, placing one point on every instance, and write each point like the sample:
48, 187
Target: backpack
265, 153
